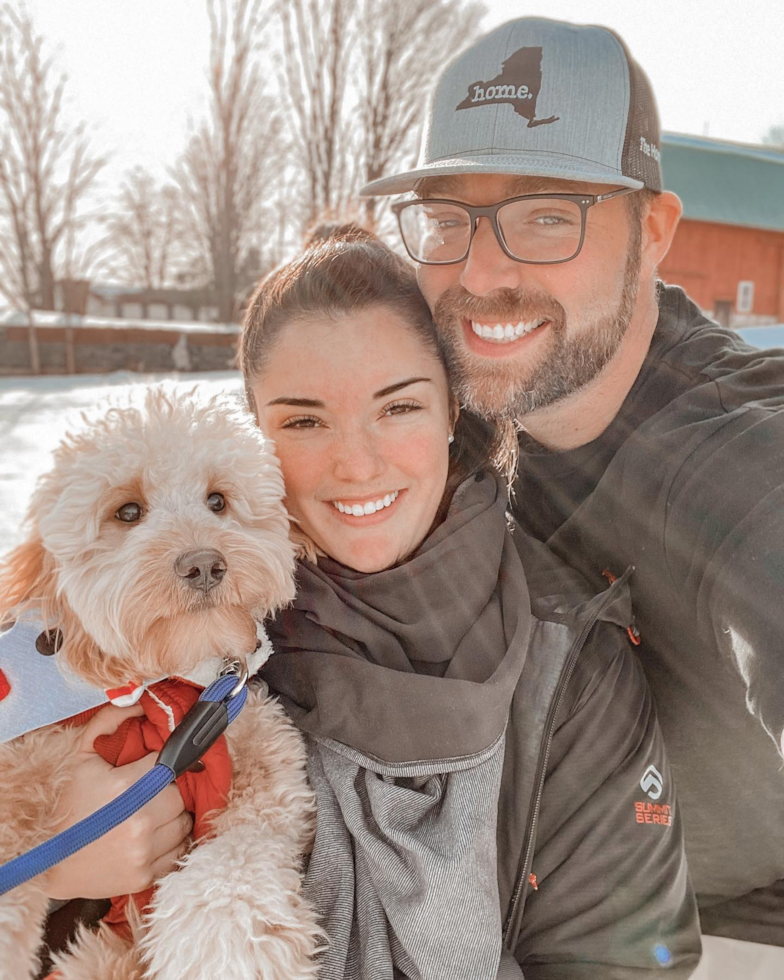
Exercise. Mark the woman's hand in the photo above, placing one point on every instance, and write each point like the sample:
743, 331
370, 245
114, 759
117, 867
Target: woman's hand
144, 847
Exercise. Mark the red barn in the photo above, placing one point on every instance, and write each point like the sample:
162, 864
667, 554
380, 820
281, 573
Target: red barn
728, 251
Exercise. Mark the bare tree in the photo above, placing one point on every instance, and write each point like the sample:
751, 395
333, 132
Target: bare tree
46, 166
318, 39
404, 45
229, 163
144, 233
357, 74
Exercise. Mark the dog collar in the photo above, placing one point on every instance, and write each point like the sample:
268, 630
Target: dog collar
36, 689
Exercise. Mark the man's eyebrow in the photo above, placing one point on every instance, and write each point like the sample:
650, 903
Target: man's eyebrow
522, 184
297, 402
391, 389
544, 185
436, 186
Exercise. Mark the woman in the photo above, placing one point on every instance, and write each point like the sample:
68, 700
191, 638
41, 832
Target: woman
490, 776
492, 787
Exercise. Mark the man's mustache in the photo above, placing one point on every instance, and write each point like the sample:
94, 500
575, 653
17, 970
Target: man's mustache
503, 306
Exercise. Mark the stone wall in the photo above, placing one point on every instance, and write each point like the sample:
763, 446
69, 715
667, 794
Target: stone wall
132, 347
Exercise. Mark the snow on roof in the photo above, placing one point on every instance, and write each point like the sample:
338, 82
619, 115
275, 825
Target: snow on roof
725, 182
758, 151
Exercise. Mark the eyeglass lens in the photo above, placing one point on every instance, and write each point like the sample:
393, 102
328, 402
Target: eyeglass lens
535, 230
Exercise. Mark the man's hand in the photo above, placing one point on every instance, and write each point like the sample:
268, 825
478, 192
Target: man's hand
144, 847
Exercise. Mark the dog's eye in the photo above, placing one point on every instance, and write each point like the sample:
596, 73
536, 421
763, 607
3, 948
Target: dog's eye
216, 502
129, 513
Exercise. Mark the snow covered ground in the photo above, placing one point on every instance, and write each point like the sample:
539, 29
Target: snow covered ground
36, 411
34, 414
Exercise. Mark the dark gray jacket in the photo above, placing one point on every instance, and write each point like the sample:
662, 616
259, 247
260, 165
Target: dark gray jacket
611, 896
687, 485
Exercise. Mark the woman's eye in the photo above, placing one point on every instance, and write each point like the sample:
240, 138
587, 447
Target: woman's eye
216, 502
401, 408
129, 513
301, 422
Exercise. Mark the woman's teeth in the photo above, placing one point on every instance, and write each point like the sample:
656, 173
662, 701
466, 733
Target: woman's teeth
503, 333
359, 510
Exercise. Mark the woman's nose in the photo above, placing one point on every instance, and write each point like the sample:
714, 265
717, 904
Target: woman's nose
358, 457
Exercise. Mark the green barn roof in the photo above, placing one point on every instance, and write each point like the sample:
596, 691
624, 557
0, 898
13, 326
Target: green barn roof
730, 183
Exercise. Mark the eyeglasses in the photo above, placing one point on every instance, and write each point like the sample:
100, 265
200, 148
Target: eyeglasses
540, 229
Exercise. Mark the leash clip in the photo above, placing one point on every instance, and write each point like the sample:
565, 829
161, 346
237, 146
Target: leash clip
206, 721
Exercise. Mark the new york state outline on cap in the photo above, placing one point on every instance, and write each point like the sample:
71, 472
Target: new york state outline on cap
518, 84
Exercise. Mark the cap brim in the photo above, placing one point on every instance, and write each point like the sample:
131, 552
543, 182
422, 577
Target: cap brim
523, 165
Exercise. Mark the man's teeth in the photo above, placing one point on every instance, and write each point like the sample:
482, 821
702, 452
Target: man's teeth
503, 333
359, 510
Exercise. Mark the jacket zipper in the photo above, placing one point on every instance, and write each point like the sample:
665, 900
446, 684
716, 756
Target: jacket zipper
524, 867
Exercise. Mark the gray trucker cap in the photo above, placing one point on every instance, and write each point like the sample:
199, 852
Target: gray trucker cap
541, 98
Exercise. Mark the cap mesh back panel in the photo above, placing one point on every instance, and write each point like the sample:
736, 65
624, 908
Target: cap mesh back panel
642, 132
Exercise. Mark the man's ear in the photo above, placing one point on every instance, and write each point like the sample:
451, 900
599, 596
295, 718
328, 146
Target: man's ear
659, 224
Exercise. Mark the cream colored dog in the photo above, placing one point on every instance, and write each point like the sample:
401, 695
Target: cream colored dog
157, 543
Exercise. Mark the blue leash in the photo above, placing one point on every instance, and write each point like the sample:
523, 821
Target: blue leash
217, 707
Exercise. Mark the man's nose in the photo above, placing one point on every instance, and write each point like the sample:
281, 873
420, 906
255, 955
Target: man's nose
488, 267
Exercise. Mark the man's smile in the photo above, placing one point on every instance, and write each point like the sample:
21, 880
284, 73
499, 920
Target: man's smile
504, 333
502, 339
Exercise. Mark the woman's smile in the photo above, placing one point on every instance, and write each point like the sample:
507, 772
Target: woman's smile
379, 506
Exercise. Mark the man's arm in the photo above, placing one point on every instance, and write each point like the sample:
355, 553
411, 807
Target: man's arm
613, 898
725, 542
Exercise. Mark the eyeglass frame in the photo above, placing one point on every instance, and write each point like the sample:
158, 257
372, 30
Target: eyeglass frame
490, 211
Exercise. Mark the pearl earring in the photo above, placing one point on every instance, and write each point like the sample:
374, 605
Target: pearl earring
451, 439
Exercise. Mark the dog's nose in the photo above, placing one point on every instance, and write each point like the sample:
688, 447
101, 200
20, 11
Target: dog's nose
202, 569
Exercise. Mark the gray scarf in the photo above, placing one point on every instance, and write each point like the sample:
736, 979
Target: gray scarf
403, 681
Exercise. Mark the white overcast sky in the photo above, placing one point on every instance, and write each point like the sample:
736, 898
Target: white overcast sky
137, 67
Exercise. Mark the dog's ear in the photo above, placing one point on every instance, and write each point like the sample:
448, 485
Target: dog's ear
304, 547
27, 581
83, 655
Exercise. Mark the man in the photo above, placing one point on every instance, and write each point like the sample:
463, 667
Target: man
650, 437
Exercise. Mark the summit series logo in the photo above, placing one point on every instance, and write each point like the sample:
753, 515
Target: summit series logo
652, 782
518, 84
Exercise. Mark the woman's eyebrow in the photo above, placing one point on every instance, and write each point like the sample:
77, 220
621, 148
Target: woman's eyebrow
315, 403
298, 402
391, 389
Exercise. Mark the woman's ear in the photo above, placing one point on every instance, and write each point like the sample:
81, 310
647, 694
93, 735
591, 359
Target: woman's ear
454, 413
27, 581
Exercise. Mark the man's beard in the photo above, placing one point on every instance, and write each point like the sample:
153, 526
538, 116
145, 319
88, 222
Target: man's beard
509, 389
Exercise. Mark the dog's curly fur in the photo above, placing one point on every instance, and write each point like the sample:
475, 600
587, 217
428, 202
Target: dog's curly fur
234, 907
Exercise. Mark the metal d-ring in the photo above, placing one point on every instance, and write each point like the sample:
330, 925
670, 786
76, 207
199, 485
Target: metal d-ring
243, 680
240, 668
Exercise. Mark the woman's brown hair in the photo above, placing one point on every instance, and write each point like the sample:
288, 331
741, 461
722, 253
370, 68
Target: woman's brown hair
343, 270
